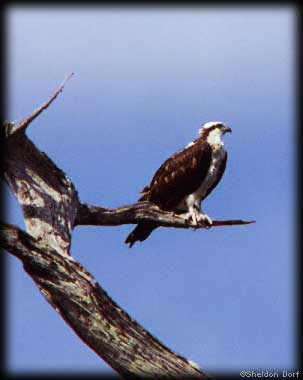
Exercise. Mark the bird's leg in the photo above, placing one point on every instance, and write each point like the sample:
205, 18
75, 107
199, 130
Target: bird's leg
194, 213
204, 218
191, 215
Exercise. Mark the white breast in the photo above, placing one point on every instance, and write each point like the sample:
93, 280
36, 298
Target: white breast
218, 155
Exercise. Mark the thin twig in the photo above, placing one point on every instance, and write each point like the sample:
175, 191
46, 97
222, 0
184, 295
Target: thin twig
25, 122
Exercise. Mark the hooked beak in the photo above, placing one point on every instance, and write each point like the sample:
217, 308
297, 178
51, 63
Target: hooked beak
227, 129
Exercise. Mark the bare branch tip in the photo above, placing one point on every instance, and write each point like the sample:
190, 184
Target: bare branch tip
25, 122
68, 78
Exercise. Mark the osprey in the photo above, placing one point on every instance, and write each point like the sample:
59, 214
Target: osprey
185, 179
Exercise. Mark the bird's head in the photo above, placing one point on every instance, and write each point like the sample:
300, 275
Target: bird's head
213, 131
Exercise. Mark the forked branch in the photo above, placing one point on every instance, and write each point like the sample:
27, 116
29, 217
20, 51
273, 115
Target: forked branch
51, 210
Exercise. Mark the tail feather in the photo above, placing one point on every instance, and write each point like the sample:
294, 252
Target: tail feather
140, 233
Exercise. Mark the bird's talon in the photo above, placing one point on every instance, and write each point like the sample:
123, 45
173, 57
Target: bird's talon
206, 220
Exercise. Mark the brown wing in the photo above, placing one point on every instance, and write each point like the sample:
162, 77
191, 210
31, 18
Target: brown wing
179, 175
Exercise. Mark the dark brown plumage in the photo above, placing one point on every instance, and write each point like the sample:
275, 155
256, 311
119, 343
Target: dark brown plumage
179, 176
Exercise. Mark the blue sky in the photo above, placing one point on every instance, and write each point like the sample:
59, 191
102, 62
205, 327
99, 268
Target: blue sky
145, 80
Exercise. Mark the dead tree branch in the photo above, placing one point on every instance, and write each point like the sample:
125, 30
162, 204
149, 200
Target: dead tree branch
25, 122
51, 210
95, 318
139, 212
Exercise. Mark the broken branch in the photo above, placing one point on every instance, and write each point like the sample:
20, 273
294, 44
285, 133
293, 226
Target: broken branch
51, 209
25, 122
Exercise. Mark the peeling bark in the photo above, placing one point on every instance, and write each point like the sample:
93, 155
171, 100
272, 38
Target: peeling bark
51, 209
97, 319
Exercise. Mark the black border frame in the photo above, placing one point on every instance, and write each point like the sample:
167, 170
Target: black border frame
298, 185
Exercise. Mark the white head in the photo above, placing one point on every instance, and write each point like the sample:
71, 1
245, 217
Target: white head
213, 131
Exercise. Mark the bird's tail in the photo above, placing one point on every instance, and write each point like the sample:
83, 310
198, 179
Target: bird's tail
140, 233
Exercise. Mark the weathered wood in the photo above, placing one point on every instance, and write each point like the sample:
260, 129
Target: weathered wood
139, 212
93, 315
51, 209
48, 199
